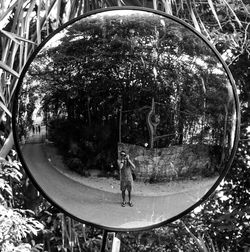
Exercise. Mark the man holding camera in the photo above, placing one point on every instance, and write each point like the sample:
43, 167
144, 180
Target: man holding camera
126, 167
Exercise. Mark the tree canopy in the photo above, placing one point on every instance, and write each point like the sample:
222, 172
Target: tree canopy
102, 63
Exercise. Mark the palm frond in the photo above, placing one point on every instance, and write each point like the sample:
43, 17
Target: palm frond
233, 12
58, 10
5, 109
38, 22
5, 12
25, 31
167, 6
198, 240
16, 38
8, 144
8, 69
10, 35
193, 17
214, 12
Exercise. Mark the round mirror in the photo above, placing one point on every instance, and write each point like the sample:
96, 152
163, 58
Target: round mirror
126, 118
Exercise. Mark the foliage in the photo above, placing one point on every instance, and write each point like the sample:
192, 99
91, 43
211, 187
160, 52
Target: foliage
230, 209
26, 107
16, 225
99, 78
106, 67
173, 237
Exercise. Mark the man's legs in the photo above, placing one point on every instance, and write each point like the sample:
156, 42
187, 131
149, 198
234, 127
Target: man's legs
129, 198
123, 198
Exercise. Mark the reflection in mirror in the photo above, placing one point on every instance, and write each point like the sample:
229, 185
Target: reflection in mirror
132, 82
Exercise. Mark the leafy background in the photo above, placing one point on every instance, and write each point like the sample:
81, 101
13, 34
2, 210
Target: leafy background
29, 223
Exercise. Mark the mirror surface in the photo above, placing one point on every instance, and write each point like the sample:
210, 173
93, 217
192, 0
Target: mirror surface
126, 81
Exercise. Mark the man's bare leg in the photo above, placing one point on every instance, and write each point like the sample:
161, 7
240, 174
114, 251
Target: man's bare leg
129, 199
123, 198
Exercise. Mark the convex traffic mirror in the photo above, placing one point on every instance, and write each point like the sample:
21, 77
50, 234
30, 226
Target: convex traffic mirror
126, 99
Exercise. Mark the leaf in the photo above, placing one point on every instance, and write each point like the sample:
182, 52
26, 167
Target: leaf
194, 19
25, 40
214, 12
29, 211
10, 35
4, 18
199, 241
25, 31
39, 246
15, 37
13, 88
13, 173
7, 188
24, 247
205, 30
155, 4
2, 183
48, 10
8, 144
168, 6
234, 14
35, 250
37, 224
38, 23
8, 69
5, 109
58, 18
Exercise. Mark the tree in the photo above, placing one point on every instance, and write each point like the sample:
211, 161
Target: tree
105, 61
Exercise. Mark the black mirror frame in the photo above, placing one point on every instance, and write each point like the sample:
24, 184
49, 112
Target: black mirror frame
230, 77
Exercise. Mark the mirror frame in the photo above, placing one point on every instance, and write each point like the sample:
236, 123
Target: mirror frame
160, 13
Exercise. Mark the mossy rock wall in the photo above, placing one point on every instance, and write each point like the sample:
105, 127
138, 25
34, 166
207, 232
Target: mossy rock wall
169, 163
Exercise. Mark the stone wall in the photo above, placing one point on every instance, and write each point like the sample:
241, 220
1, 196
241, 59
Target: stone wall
169, 163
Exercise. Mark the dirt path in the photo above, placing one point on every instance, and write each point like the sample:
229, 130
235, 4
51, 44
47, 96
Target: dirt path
113, 185
97, 202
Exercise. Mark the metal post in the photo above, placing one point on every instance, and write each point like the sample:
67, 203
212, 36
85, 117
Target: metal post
104, 240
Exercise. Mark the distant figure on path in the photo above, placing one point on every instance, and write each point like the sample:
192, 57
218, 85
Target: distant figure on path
33, 129
126, 167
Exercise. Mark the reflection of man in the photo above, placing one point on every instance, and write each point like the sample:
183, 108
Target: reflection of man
126, 179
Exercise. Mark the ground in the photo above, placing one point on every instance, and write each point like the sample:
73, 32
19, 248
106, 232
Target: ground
97, 201
113, 185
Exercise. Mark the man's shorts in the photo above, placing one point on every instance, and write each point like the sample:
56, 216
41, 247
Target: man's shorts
126, 185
